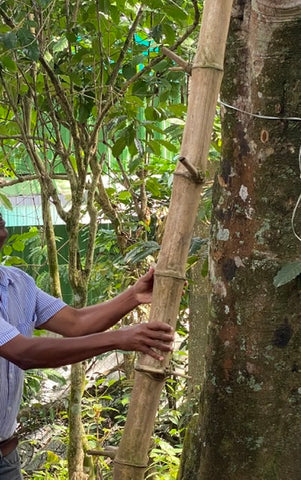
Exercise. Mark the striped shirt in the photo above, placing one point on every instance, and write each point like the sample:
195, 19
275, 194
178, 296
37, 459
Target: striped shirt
23, 307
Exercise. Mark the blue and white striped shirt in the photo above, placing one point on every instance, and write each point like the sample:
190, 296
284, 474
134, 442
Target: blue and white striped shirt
23, 307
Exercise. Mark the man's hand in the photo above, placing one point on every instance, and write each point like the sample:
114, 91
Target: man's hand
143, 288
144, 337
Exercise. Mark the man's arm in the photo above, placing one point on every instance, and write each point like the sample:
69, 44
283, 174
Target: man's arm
43, 352
72, 322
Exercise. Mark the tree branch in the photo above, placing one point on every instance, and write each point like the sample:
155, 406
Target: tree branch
113, 99
113, 76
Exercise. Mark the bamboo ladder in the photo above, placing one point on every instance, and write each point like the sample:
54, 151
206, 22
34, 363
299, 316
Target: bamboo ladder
206, 75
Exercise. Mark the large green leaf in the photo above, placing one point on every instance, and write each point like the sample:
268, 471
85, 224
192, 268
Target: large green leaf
119, 146
140, 251
5, 201
287, 273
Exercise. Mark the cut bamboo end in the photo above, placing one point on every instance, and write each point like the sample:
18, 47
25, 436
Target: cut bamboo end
110, 452
196, 175
155, 373
177, 59
160, 372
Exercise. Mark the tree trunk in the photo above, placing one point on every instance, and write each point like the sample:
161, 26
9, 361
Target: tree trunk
198, 319
207, 70
53, 266
79, 283
250, 406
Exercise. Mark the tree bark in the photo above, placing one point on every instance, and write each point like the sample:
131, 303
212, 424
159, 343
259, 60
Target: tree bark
53, 265
250, 406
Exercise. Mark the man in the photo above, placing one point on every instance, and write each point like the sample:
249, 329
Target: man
24, 307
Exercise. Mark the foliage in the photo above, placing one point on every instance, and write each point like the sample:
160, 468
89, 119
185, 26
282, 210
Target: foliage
86, 98
16, 244
287, 273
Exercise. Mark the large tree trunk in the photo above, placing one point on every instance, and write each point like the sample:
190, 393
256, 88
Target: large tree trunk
250, 406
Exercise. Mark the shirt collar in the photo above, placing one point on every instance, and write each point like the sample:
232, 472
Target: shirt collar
5, 276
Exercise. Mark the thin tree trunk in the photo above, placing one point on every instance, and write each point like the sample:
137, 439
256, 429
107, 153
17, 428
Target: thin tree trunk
79, 282
76, 431
250, 411
132, 455
53, 266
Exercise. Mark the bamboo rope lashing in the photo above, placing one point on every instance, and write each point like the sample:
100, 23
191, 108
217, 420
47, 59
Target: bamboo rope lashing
160, 373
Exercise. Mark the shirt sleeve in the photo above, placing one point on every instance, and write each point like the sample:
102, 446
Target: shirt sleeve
7, 332
46, 307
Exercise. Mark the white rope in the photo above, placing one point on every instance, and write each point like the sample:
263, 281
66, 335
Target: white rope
268, 117
257, 115
297, 204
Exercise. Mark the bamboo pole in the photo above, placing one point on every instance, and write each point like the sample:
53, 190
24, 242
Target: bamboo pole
207, 71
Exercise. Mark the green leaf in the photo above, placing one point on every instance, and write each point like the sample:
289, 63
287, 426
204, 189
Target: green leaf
60, 45
157, 33
139, 146
155, 146
205, 268
18, 246
196, 244
174, 11
124, 196
287, 273
170, 33
140, 88
14, 261
10, 40
169, 146
153, 186
134, 164
55, 376
8, 63
151, 114
5, 201
141, 251
128, 70
29, 43
119, 146
7, 250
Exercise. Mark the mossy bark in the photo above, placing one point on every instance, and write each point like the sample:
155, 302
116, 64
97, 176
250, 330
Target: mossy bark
250, 408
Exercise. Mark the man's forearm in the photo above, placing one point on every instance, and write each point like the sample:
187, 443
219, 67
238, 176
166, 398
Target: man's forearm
71, 322
38, 352
45, 352
100, 317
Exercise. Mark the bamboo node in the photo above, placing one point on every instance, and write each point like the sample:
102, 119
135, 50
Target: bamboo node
214, 66
128, 464
169, 274
196, 175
